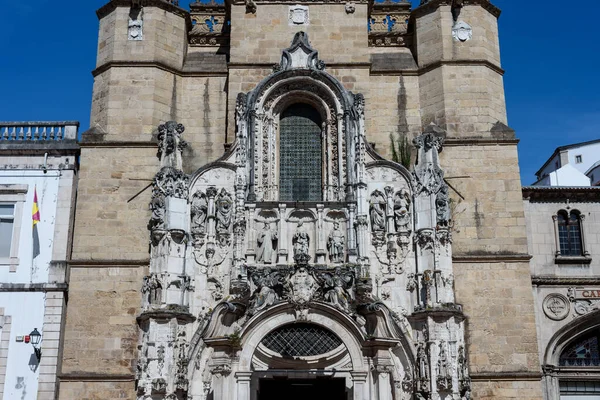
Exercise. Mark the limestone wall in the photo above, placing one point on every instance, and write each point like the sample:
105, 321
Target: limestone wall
164, 38
435, 42
101, 333
338, 36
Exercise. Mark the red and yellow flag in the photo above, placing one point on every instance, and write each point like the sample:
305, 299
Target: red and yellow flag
35, 219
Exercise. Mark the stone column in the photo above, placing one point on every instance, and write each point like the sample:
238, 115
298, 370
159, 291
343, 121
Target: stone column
251, 250
361, 387
351, 233
320, 244
282, 253
243, 380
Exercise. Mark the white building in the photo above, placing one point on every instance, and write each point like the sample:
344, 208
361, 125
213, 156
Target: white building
571, 165
562, 213
35, 157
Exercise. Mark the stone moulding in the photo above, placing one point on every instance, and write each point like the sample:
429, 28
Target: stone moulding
431, 5
390, 40
559, 194
162, 4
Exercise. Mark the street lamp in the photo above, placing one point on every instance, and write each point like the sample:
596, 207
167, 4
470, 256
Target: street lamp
36, 338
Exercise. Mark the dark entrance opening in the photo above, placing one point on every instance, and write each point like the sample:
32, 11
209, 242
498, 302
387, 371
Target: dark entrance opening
302, 389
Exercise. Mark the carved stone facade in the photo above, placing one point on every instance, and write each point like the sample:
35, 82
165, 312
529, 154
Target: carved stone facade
300, 252
228, 248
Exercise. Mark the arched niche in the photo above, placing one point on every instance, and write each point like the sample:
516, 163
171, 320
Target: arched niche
258, 115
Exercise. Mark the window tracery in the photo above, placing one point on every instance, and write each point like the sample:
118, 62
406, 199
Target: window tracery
300, 146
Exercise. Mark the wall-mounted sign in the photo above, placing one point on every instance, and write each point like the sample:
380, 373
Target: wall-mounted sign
584, 294
20, 338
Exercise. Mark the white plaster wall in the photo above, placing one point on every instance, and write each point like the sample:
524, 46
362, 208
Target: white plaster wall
594, 175
542, 241
27, 312
568, 176
590, 154
27, 308
542, 246
551, 167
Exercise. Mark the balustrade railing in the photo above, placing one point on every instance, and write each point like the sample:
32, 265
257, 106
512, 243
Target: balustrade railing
38, 131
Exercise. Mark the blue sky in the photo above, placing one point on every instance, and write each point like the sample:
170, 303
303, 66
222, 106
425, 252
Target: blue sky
550, 53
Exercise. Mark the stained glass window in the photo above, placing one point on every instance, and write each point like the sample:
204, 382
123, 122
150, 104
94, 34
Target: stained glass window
569, 233
582, 353
300, 168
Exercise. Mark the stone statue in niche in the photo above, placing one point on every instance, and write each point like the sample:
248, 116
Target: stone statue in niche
267, 244
335, 244
301, 241
444, 378
402, 215
157, 206
199, 211
377, 211
442, 206
422, 368
224, 212
152, 287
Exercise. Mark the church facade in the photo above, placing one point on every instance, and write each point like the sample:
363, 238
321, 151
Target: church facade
299, 262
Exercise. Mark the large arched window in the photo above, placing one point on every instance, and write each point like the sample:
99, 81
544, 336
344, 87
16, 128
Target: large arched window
582, 352
569, 233
580, 358
300, 165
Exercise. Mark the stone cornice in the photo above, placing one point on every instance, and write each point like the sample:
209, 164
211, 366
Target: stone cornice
506, 376
162, 4
33, 287
108, 263
94, 377
118, 144
433, 5
547, 280
561, 193
155, 64
479, 141
490, 258
430, 67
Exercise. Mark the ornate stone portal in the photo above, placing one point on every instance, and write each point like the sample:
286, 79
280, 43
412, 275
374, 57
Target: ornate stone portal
369, 268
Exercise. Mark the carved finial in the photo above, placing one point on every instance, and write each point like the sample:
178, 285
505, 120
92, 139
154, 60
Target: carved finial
171, 144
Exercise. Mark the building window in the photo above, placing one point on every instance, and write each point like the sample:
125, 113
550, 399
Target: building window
300, 144
569, 234
12, 199
583, 352
578, 159
7, 221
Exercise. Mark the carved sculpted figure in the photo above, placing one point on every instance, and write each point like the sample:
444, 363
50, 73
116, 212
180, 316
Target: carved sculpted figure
265, 295
267, 244
157, 206
199, 212
301, 241
402, 211
377, 212
442, 206
422, 368
336, 288
335, 244
224, 212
